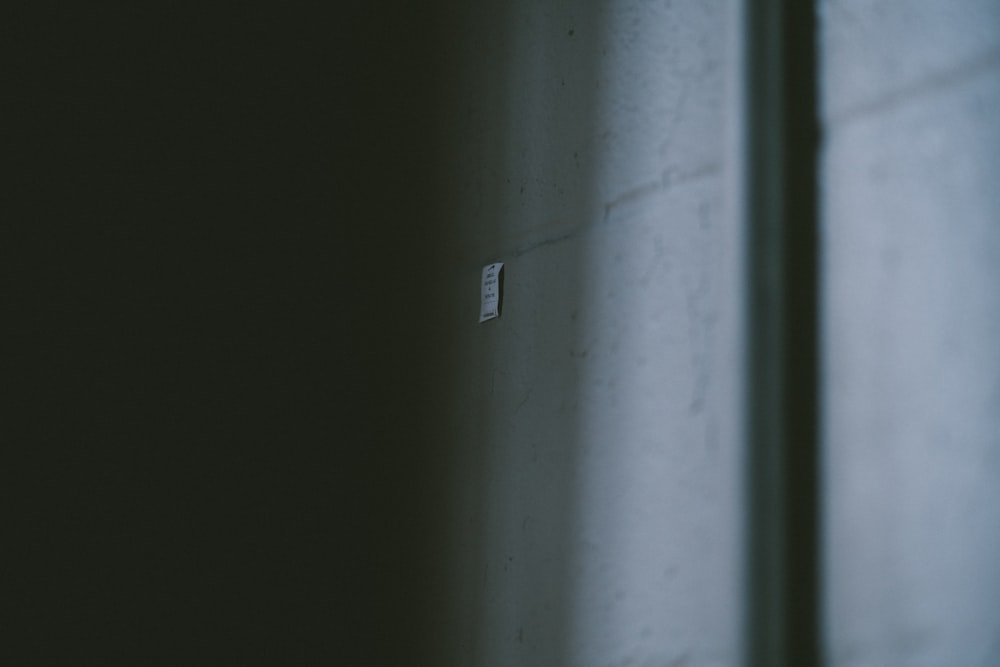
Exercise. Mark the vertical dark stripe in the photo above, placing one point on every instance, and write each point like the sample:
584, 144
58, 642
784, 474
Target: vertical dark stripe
782, 626
764, 169
801, 132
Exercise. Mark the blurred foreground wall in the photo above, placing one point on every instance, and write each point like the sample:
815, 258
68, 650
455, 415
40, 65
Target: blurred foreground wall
911, 293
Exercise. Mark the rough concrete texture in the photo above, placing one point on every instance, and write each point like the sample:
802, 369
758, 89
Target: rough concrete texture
596, 495
911, 323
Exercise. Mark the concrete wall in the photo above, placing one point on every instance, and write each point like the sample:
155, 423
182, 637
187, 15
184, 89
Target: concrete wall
266, 420
911, 323
594, 508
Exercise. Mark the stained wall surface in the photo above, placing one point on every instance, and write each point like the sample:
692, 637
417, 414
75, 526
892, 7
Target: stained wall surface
910, 241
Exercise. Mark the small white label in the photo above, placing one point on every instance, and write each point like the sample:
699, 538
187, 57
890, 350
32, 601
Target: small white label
490, 304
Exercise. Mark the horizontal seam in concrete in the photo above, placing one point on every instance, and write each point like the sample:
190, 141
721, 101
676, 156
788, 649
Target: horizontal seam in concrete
523, 250
927, 85
669, 178
630, 195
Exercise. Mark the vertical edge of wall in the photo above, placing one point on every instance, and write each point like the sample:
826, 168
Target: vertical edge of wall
779, 197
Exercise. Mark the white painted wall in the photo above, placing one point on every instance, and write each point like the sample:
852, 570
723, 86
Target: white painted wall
911, 243
596, 474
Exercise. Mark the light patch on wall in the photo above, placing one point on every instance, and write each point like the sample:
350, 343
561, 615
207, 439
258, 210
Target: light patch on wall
492, 292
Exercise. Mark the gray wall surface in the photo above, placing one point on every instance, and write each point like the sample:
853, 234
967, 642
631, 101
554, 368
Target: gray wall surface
594, 509
911, 242
595, 505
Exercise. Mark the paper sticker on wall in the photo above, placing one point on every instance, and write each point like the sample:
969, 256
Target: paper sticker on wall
492, 292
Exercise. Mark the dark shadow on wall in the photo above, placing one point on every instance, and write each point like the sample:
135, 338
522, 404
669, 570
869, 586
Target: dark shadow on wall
240, 343
230, 362
783, 594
